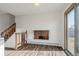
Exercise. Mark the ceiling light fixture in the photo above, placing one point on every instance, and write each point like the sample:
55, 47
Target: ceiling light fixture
36, 4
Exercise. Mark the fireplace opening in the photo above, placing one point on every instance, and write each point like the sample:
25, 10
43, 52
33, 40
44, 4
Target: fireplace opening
41, 37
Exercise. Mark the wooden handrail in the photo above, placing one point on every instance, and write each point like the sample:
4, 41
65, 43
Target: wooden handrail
9, 31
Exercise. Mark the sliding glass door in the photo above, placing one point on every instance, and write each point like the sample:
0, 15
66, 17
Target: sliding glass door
71, 31
77, 29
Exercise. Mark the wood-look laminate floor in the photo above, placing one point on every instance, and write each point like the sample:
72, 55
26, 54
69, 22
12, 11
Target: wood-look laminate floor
36, 50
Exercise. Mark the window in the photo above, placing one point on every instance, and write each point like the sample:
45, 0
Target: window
71, 31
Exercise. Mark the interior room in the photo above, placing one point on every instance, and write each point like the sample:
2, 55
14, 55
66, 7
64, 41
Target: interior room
39, 29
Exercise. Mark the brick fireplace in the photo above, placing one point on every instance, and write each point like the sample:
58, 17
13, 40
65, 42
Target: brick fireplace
41, 34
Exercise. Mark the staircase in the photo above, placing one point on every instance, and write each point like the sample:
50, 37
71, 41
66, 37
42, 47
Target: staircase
12, 39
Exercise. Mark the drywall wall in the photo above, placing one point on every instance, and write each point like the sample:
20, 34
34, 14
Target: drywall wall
45, 21
11, 42
1, 46
6, 20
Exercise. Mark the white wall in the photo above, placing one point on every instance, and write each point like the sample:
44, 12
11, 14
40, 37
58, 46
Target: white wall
6, 20
11, 42
48, 21
1, 46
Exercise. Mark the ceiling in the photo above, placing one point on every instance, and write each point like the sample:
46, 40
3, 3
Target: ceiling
30, 8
